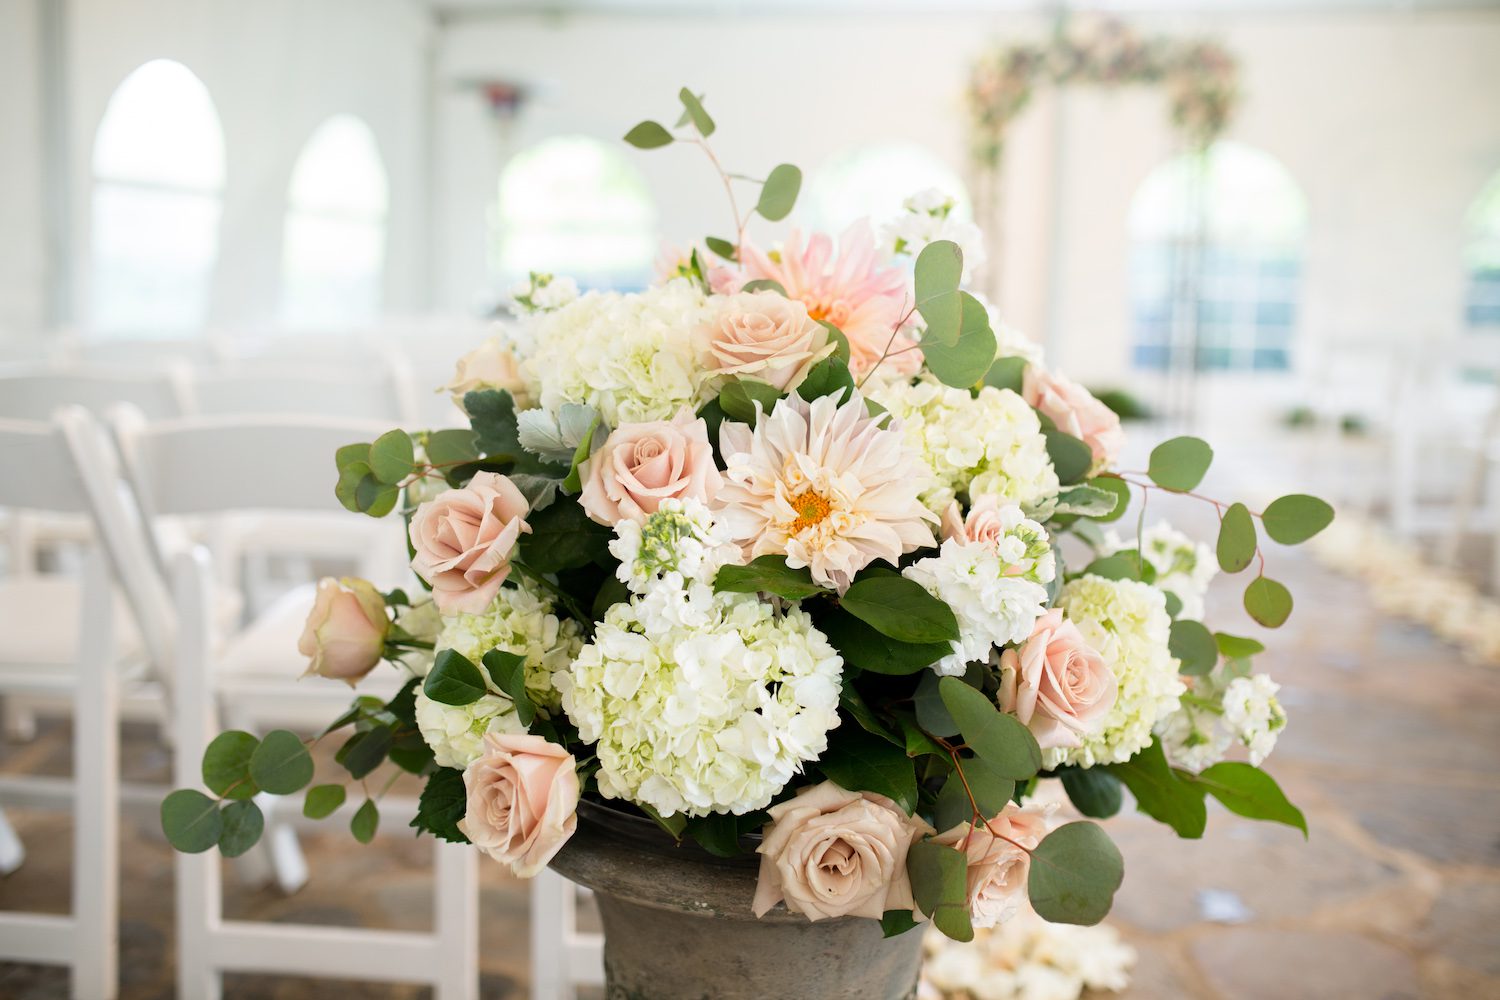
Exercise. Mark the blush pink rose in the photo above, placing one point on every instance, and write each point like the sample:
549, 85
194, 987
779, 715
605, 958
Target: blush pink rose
1056, 684
521, 800
345, 631
463, 541
829, 852
763, 335
998, 862
640, 465
491, 365
988, 520
1075, 411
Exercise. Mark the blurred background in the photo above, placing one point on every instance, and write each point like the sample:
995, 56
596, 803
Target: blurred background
1271, 223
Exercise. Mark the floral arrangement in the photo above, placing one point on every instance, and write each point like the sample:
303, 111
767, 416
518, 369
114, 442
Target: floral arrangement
796, 552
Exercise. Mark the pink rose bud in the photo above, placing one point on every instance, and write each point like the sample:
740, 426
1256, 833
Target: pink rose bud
463, 540
1075, 411
345, 631
1056, 684
522, 801
640, 465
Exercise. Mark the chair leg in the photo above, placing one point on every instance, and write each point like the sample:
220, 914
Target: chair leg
12, 851
456, 921
553, 902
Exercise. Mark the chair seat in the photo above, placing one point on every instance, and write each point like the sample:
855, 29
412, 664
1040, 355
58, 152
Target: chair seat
39, 620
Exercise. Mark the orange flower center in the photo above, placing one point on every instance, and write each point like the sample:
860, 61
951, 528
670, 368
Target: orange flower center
812, 508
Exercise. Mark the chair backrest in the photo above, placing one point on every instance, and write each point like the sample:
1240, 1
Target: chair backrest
41, 473
36, 393
252, 389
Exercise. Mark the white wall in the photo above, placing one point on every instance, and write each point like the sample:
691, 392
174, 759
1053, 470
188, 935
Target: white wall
23, 258
1388, 122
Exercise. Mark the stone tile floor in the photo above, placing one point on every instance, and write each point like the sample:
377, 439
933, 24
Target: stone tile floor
1393, 751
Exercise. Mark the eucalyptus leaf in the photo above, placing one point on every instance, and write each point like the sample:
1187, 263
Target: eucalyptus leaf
694, 107
226, 765
649, 135
1092, 790
392, 457
1007, 373
1294, 519
281, 764
764, 285
975, 776
1070, 457
723, 248
365, 822
191, 821
1268, 602
936, 276
1237, 542
962, 361
243, 824
322, 801
1075, 871
779, 193
939, 885
1180, 463
739, 396
1236, 647
1120, 488
1194, 647
999, 739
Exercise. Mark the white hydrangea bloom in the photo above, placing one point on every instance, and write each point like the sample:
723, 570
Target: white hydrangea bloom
995, 590
986, 443
628, 356
456, 732
1253, 715
702, 702
519, 620
1126, 621
1183, 566
677, 544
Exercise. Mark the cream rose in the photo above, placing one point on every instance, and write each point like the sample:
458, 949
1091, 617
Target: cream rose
463, 541
491, 365
345, 630
1056, 684
1075, 411
763, 335
835, 853
521, 801
998, 862
640, 465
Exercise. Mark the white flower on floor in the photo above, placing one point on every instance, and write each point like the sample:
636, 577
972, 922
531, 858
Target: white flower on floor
1183, 566
1126, 622
519, 620
1026, 958
1253, 714
677, 544
995, 587
456, 732
986, 443
702, 702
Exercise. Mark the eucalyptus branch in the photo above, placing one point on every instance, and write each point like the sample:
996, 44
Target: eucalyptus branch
734, 207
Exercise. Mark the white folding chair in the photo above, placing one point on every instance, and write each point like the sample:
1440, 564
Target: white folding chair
86, 939
34, 393
563, 958
203, 466
248, 388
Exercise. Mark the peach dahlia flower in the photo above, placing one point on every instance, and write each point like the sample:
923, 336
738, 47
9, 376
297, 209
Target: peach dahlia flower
825, 485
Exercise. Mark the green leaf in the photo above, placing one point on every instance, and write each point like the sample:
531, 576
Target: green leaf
896, 922
1160, 794
764, 285
649, 135
864, 647
392, 457
365, 822
716, 833
365, 751
1268, 602
828, 377
1234, 647
841, 342
936, 277
1173, 604
701, 121
191, 821
863, 762
1294, 519
900, 608
1087, 500
779, 193
492, 414
963, 361
508, 670
918, 742
353, 454
322, 801
563, 537
852, 702
226, 765
767, 574
939, 884
347, 487
1117, 566
1180, 463
1075, 871
1120, 488
451, 447
1246, 790
991, 791
1237, 542
932, 713
1007, 373
1193, 645
1070, 457
281, 764
674, 824
739, 396
243, 825
998, 738
441, 805
453, 680
375, 498
1093, 791
571, 483
723, 248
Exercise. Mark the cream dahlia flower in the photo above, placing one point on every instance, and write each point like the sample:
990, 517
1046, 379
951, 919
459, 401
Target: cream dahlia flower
825, 485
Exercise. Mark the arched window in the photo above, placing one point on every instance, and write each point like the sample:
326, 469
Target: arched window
158, 169
575, 206
873, 181
1219, 235
333, 250
1482, 259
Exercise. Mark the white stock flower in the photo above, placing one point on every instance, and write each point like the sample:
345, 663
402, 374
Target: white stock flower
520, 621
1183, 566
1253, 715
628, 356
911, 231
1026, 958
1126, 621
986, 443
680, 543
456, 732
542, 292
1194, 737
702, 702
1217, 715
